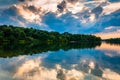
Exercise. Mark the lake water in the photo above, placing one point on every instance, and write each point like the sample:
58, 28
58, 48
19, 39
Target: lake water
99, 63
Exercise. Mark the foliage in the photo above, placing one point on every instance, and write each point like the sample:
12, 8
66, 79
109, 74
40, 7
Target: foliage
11, 50
113, 40
16, 41
11, 34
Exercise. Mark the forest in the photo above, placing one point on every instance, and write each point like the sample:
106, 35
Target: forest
15, 41
113, 40
11, 34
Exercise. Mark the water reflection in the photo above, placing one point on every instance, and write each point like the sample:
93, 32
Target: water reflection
74, 64
12, 50
110, 49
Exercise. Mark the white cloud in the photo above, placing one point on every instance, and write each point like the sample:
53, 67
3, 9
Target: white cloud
76, 8
111, 8
109, 74
92, 17
29, 15
32, 69
44, 6
111, 27
33, 11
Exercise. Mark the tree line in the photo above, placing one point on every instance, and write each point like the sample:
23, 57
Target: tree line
113, 40
12, 34
15, 41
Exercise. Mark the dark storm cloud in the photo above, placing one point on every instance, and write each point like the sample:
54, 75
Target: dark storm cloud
21, 0
61, 6
72, 1
24, 0
32, 8
97, 11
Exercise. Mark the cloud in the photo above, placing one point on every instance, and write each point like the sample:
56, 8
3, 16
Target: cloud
34, 10
107, 74
108, 9
110, 50
108, 28
21, 0
33, 69
10, 16
109, 35
27, 13
25, 0
64, 23
61, 6
97, 11
72, 1
37, 8
41, 66
106, 21
109, 32
85, 16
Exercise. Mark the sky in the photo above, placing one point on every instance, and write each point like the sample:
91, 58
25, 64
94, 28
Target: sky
98, 17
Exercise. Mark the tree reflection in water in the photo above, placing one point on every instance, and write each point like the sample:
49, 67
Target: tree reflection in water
11, 50
71, 63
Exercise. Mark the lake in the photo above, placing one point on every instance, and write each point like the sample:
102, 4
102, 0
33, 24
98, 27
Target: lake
97, 63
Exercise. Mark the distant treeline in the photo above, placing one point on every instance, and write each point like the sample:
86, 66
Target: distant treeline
113, 40
12, 34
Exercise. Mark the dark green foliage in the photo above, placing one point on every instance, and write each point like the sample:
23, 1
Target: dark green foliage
11, 50
113, 40
16, 41
12, 34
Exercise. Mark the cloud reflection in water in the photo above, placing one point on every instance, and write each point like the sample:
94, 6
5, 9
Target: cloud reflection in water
74, 64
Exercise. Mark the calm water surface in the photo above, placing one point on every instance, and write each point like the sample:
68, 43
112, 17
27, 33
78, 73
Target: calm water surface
100, 63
